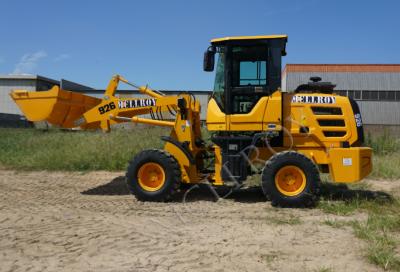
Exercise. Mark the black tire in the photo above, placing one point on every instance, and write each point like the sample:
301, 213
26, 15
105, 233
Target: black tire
186, 186
172, 175
308, 197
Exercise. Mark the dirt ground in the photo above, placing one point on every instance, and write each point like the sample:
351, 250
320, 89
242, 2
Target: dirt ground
55, 221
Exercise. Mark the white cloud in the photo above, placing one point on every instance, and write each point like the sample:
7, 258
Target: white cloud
62, 57
28, 62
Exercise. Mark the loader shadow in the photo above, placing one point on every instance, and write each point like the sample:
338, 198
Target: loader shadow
200, 192
117, 186
254, 194
342, 192
203, 192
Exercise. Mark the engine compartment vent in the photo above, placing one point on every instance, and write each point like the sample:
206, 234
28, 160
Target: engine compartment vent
331, 123
326, 110
334, 133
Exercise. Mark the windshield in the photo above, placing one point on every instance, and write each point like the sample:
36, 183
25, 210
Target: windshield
249, 66
219, 84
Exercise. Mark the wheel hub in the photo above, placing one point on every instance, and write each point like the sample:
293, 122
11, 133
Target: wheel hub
290, 180
151, 176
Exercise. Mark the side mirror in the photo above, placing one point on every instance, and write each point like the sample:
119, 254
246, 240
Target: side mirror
209, 59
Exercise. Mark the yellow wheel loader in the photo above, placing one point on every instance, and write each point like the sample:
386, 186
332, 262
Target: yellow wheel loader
293, 136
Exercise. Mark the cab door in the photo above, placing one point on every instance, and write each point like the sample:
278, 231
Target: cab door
216, 115
248, 89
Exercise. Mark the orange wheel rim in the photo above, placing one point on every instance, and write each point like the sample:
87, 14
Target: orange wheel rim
151, 176
290, 180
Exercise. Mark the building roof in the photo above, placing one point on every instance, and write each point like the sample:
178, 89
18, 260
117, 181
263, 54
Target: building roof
261, 37
70, 85
343, 68
29, 76
365, 77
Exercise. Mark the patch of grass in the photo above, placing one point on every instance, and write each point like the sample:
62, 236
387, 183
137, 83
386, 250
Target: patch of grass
359, 186
272, 256
339, 207
335, 223
370, 203
386, 156
384, 258
386, 166
381, 230
31, 149
384, 144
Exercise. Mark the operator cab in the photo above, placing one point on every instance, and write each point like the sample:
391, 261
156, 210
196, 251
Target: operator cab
248, 68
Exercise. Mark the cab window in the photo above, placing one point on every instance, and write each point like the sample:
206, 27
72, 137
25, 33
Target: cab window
253, 73
219, 83
249, 77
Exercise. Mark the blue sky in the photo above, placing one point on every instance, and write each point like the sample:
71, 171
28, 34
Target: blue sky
161, 43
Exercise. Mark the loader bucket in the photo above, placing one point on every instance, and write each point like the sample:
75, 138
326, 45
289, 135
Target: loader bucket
56, 106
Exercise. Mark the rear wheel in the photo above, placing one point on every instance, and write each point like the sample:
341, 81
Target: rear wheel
153, 175
290, 179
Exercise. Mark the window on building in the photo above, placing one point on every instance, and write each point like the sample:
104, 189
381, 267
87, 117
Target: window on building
383, 95
370, 95
398, 95
365, 95
387, 95
391, 95
342, 93
354, 95
357, 95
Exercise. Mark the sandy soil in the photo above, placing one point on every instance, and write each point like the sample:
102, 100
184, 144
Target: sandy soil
89, 222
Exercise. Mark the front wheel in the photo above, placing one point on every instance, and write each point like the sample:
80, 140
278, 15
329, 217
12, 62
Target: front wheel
290, 179
153, 175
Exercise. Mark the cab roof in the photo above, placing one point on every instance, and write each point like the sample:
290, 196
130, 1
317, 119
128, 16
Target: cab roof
237, 38
222, 41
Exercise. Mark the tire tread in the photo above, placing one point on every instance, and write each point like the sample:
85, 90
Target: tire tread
174, 181
307, 198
